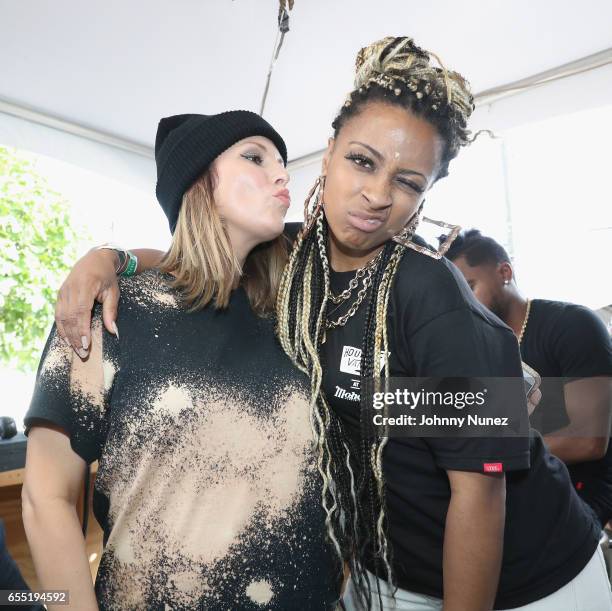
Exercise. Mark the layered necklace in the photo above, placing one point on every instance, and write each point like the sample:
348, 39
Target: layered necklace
362, 276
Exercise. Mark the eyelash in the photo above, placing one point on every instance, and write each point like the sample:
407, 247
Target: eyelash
413, 186
254, 157
361, 160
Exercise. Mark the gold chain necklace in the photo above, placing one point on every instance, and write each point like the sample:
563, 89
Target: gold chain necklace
362, 271
367, 272
340, 322
520, 337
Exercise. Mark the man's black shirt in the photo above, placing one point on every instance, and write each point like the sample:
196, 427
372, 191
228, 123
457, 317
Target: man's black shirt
563, 340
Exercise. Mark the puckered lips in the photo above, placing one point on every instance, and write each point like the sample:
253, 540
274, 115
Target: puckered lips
283, 196
367, 222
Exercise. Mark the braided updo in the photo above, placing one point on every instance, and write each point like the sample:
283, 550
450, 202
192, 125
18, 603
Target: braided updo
396, 71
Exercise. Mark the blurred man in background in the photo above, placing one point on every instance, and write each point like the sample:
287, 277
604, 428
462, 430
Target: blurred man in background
569, 346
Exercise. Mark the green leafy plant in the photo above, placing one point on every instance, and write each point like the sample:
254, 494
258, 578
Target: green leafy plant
37, 248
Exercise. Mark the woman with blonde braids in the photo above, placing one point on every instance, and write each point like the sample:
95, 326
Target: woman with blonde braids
460, 524
455, 523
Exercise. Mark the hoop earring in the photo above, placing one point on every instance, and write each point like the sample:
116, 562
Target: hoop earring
410, 228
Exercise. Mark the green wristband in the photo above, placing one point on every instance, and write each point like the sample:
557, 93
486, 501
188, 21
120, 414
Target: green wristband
130, 269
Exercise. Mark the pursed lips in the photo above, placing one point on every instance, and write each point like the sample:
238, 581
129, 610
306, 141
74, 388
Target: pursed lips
284, 196
367, 222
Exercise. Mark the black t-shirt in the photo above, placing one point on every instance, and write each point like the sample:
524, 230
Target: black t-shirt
207, 488
563, 340
437, 328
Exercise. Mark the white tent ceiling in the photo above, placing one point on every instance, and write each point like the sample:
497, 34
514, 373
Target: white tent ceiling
119, 66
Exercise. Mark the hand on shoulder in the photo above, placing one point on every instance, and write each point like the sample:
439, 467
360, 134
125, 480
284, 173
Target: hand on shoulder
93, 278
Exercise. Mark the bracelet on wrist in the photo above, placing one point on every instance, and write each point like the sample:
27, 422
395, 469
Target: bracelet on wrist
123, 258
131, 265
128, 261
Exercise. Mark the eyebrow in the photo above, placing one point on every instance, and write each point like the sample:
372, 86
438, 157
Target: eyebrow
381, 158
261, 146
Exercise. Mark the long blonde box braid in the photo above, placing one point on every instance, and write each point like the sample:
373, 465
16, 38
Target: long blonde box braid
303, 350
381, 349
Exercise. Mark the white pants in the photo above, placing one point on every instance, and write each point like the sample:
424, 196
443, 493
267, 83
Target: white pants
588, 591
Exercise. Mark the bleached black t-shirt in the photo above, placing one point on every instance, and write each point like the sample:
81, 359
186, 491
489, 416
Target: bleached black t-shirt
438, 329
207, 488
568, 341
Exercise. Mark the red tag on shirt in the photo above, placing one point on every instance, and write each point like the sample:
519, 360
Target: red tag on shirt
493, 467
579, 485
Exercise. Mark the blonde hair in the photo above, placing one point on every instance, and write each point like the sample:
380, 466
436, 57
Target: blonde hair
204, 264
397, 71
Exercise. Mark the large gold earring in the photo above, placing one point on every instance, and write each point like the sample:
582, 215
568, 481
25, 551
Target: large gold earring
405, 236
410, 228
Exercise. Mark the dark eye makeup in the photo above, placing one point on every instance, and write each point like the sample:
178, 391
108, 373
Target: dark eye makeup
360, 160
365, 162
254, 157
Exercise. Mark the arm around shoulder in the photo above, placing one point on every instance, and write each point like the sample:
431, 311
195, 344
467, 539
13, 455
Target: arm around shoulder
93, 278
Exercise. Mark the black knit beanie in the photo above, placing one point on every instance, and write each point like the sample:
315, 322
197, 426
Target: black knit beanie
186, 145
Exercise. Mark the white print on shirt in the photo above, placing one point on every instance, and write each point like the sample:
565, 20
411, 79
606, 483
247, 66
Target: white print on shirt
350, 361
346, 395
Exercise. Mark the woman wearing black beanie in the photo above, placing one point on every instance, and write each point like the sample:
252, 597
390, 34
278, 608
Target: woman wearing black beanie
207, 489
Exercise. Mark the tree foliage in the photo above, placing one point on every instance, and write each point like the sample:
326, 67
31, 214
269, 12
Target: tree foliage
36, 251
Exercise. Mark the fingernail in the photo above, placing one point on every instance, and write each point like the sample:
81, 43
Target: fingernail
115, 330
82, 353
84, 342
